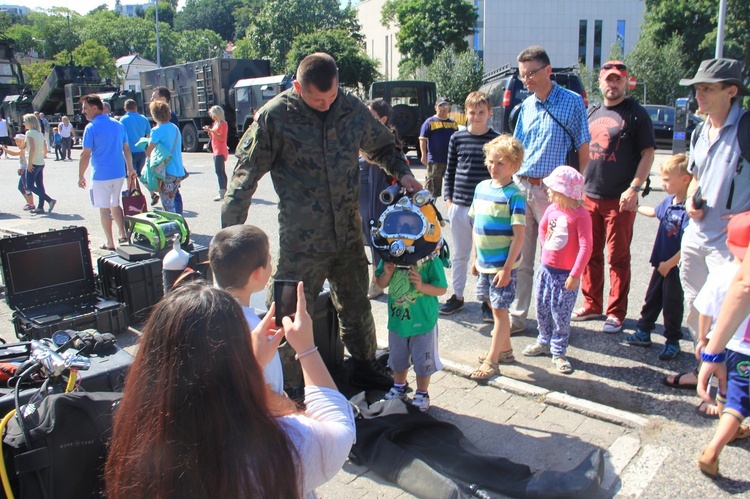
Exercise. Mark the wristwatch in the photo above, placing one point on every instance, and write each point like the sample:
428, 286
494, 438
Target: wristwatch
713, 358
636, 188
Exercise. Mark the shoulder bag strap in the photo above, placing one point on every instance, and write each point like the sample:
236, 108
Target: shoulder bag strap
572, 140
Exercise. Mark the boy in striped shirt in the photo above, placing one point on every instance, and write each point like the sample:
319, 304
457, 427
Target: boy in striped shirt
465, 169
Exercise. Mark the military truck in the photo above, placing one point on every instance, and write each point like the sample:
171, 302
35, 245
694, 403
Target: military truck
250, 94
412, 102
198, 86
12, 86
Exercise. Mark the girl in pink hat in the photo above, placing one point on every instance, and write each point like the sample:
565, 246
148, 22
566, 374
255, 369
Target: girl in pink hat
565, 236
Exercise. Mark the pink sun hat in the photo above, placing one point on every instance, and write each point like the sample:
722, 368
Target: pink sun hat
567, 181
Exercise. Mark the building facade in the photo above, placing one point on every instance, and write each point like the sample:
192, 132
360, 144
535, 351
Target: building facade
572, 31
131, 67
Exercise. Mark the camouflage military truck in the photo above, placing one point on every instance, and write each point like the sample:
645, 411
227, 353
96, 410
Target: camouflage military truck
196, 87
412, 101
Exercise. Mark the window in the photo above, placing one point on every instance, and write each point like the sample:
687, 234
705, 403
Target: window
621, 35
597, 43
582, 32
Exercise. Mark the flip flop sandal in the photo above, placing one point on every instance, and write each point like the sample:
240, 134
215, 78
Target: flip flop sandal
562, 365
675, 383
505, 357
485, 371
104, 246
742, 432
709, 411
123, 240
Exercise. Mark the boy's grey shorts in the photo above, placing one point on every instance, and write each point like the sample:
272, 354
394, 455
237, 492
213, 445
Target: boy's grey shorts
420, 350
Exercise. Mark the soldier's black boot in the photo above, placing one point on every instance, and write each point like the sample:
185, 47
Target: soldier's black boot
581, 482
369, 374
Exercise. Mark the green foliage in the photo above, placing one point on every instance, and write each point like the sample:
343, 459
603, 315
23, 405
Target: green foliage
280, 22
456, 74
90, 53
426, 27
6, 21
198, 44
216, 15
166, 13
590, 80
35, 74
660, 67
355, 68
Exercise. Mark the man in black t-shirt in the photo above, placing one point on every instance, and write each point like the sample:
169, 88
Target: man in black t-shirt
620, 156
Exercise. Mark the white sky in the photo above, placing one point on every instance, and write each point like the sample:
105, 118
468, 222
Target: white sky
81, 6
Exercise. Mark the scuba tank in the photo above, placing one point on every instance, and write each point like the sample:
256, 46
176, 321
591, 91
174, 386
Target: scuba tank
174, 264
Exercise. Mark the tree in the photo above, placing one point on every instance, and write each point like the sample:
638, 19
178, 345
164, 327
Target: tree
280, 22
355, 68
90, 53
167, 13
426, 27
199, 44
456, 75
216, 15
659, 67
35, 74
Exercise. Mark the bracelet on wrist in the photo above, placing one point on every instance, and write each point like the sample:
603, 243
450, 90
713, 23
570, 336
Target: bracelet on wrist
713, 358
298, 356
636, 188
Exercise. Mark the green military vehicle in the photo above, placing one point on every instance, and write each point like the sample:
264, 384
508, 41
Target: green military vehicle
412, 101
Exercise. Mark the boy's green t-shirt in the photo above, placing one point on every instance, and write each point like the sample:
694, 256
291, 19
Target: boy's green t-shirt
410, 312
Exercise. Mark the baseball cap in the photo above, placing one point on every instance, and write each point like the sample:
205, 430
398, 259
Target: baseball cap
738, 234
442, 100
613, 68
718, 71
567, 181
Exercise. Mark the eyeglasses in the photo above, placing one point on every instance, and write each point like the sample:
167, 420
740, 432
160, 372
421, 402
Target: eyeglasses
530, 75
619, 67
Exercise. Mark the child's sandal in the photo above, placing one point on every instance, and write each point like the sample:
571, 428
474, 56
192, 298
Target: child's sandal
485, 371
562, 365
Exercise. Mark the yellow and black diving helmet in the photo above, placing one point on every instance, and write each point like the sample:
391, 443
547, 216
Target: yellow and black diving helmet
409, 229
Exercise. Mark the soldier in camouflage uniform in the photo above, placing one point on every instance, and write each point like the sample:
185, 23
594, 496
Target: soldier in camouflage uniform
309, 138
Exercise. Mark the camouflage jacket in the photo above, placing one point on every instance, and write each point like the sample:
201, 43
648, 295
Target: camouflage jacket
313, 167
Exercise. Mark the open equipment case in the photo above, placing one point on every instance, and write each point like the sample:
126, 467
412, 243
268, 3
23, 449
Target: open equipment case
50, 285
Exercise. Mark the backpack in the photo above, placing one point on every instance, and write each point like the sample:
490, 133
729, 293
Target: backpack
68, 433
743, 138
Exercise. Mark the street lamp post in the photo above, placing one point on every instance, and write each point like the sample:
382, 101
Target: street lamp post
158, 51
44, 52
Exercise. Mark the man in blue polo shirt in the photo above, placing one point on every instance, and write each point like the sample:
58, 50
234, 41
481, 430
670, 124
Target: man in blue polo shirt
105, 146
433, 144
137, 127
550, 119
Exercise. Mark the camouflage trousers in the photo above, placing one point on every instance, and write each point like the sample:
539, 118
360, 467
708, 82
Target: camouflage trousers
434, 178
347, 275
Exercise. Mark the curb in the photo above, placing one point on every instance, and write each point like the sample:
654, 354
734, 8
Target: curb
557, 399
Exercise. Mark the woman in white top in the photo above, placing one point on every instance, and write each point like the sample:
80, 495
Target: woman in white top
37, 147
198, 420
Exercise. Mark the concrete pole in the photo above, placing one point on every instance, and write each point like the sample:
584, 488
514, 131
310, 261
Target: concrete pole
720, 30
158, 50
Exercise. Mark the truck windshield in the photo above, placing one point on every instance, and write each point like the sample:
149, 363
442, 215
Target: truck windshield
6, 73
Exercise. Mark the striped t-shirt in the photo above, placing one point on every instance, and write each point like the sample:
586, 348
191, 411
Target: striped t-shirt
495, 211
465, 168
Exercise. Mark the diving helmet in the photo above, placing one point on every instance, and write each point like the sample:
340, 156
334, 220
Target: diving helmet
409, 229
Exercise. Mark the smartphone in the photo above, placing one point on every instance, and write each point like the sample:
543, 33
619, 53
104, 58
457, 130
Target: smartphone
698, 199
285, 297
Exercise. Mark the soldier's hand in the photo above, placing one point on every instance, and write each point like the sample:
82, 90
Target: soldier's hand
411, 184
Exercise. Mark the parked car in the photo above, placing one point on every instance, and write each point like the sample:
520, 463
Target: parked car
663, 119
506, 92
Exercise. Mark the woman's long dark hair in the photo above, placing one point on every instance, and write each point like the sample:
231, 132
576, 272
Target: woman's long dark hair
195, 419
382, 108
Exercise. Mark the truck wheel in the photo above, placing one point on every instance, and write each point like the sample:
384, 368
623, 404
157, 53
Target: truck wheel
404, 119
189, 138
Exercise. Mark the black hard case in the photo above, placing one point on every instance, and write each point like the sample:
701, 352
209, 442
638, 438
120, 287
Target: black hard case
137, 284
109, 317
107, 374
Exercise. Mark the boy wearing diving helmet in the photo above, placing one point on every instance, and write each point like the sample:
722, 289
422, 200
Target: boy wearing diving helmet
412, 323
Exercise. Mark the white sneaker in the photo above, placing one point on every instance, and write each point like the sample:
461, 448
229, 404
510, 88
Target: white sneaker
395, 393
421, 402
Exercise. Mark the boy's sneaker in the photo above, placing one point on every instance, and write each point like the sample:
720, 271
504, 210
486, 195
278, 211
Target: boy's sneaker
395, 393
452, 305
536, 349
639, 338
487, 313
421, 401
669, 351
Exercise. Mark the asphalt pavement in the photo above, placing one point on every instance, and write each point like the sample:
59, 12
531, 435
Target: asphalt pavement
615, 399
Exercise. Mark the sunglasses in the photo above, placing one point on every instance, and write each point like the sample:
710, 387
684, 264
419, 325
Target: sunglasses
619, 67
